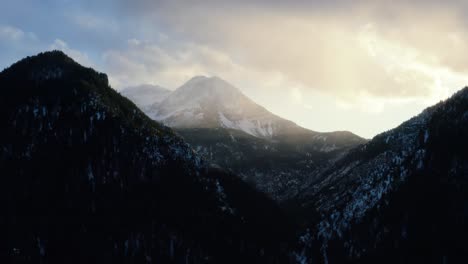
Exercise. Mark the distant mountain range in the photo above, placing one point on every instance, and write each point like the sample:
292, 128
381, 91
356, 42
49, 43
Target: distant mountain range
231, 131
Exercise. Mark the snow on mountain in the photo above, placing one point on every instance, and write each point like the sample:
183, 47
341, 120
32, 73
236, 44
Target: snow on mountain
209, 102
145, 95
404, 187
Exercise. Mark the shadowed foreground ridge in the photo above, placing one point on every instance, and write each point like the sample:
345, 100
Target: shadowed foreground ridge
88, 178
400, 198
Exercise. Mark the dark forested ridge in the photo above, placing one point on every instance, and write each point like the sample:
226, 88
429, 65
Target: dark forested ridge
400, 198
88, 178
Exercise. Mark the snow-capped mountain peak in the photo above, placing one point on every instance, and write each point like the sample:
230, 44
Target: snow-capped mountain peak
213, 102
201, 89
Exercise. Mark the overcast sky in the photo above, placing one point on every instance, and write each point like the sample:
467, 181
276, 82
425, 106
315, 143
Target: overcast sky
362, 66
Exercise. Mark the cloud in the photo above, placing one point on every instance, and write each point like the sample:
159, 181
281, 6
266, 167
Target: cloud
93, 22
9, 33
77, 55
166, 64
296, 95
16, 43
345, 48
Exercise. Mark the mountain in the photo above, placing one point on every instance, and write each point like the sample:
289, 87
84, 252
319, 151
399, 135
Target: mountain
400, 198
145, 95
229, 130
86, 177
211, 102
204, 102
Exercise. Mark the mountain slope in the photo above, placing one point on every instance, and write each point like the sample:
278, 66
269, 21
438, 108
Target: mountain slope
279, 168
211, 102
88, 178
228, 129
402, 197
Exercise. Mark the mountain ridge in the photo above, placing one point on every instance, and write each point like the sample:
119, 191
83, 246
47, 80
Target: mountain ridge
405, 187
87, 176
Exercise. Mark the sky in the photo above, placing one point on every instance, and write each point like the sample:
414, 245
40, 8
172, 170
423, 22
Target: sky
357, 65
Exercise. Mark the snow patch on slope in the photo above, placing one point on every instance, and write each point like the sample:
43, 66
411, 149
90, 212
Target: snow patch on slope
252, 127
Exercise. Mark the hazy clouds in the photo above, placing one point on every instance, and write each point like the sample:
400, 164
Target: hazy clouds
348, 48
